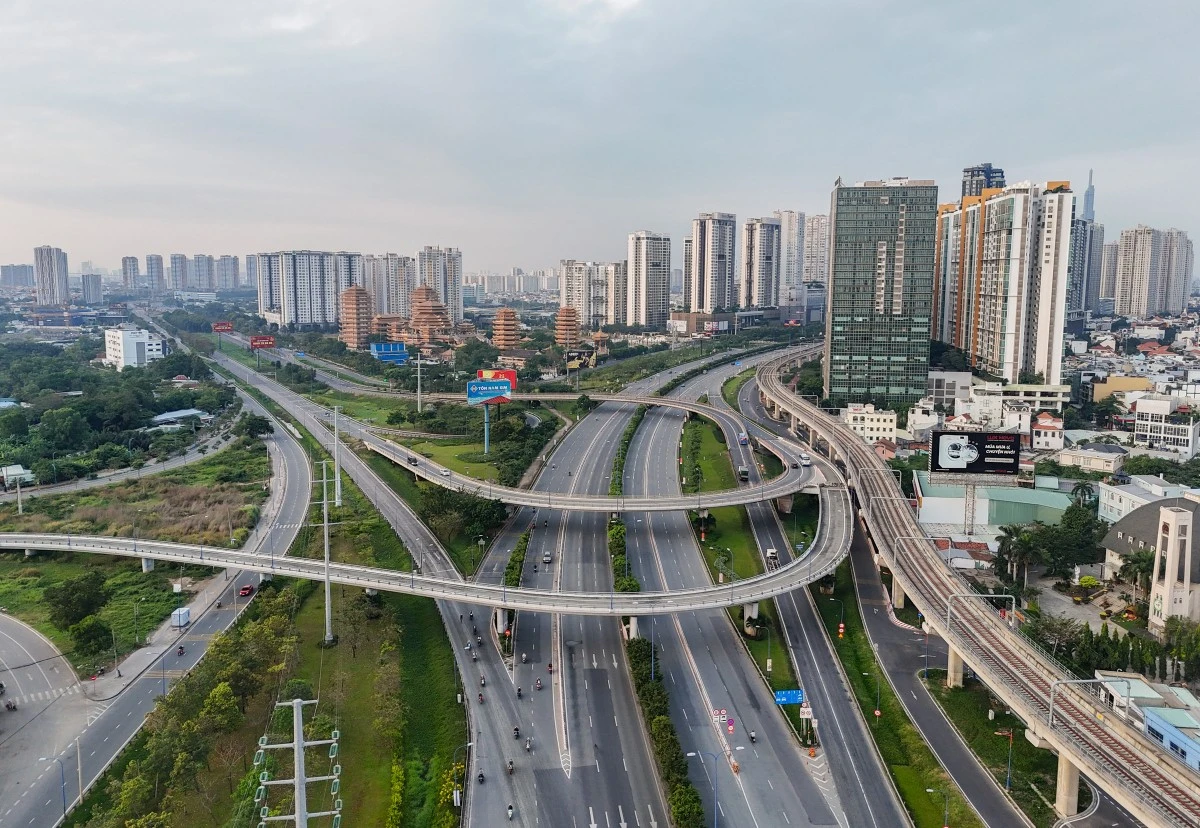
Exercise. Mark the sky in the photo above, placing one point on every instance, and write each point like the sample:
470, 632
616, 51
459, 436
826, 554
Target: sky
528, 131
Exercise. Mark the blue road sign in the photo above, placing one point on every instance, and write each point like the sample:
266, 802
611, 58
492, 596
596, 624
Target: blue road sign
789, 697
484, 391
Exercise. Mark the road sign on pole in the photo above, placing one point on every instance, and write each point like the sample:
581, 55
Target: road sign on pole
789, 697
806, 713
487, 392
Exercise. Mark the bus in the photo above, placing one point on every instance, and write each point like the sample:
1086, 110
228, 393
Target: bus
743, 439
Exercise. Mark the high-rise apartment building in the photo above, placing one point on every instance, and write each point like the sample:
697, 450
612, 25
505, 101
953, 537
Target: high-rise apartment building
228, 275
302, 287
154, 274
648, 294
616, 274
791, 254
354, 326
129, 272
880, 291
1153, 271
584, 287
981, 177
203, 275
251, 279
677, 280
1095, 266
441, 269
50, 274
710, 278
389, 279
92, 292
180, 268
16, 275
761, 245
1108, 271
1002, 278
816, 248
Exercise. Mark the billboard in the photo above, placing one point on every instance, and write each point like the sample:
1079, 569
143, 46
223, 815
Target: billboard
975, 452
486, 392
222, 327
257, 342
580, 359
498, 374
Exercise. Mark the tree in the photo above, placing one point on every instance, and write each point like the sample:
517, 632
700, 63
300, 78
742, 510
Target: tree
63, 428
1059, 632
1137, 568
91, 635
75, 599
1106, 409
686, 808
253, 425
1082, 493
221, 713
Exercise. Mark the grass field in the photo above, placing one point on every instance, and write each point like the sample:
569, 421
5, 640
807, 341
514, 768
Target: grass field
733, 387
1034, 771
448, 454
912, 765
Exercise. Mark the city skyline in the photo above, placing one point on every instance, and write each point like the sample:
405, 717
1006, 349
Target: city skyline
503, 177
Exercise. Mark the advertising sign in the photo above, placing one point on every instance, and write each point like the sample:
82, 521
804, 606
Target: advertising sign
975, 452
257, 342
486, 392
581, 359
498, 374
222, 327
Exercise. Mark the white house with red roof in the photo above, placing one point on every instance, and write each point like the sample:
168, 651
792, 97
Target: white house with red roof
1046, 432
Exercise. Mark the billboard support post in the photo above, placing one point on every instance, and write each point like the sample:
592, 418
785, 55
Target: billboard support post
487, 430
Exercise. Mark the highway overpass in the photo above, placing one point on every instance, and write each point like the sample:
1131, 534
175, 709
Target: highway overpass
1151, 784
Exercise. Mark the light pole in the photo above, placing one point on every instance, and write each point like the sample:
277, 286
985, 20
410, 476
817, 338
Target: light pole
62, 778
767, 627
715, 779
454, 765
137, 638
1008, 731
842, 615
878, 711
945, 805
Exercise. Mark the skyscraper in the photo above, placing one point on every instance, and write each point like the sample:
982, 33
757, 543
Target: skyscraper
203, 274
816, 248
584, 287
251, 270
390, 278
1002, 278
616, 275
1178, 259
16, 275
228, 276
129, 272
1139, 271
50, 273
880, 291
1089, 201
710, 278
302, 287
791, 254
92, 291
1095, 266
649, 302
981, 177
761, 245
1108, 271
441, 269
179, 272
154, 273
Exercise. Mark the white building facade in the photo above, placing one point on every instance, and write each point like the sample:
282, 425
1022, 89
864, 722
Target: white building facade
129, 347
710, 272
584, 286
1160, 424
649, 280
868, 423
228, 275
302, 287
441, 269
50, 276
816, 248
389, 279
791, 255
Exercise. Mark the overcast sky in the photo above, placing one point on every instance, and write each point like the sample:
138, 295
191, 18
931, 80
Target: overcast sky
525, 131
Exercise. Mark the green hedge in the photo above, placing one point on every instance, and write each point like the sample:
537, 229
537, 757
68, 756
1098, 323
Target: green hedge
682, 796
516, 561
616, 486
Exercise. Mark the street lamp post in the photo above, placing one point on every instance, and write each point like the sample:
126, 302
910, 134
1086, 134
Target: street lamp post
454, 764
842, 615
878, 710
715, 779
62, 779
1008, 731
945, 805
137, 637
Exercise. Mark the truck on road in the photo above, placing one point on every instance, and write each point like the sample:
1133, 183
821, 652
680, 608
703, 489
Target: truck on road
743, 473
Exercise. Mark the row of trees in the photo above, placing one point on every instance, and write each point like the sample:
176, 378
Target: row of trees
1074, 541
1075, 644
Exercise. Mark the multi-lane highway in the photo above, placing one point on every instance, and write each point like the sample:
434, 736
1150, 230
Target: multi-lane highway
1153, 786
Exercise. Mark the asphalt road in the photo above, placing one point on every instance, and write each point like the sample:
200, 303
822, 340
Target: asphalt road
705, 665
32, 791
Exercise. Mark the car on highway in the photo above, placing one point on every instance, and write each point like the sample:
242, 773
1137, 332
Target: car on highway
805, 460
546, 557
412, 461
444, 472
246, 590
795, 464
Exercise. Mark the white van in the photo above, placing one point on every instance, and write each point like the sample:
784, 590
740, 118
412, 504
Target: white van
805, 460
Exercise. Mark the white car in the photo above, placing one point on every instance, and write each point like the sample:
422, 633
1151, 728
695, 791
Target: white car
444, 472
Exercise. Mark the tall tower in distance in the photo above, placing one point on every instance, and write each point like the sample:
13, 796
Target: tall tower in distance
710, 278
1089, 200
879, 305
981, 177
50, 275
129, 272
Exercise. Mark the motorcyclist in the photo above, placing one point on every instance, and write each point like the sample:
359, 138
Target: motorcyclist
518, 692
516, 733
538, 684
510, 812
524, 658
481, 698
549, 667
528, 743
510, 766
482, 681
179, 650
480, 777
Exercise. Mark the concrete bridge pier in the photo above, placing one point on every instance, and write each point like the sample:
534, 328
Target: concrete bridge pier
633, 628
897, 593
500, 619
147, 564
954, 668
1066, 795
749, 613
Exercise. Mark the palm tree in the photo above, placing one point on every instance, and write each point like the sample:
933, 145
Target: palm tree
1137, 569
1010, 536
1082, 493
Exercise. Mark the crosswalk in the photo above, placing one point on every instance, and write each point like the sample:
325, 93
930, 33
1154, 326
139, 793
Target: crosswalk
46, 695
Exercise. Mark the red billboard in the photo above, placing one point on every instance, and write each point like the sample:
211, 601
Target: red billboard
498, 374
222, 327
257, 342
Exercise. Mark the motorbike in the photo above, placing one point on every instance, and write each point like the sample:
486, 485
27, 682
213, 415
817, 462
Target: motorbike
510, 813
481, 698
479, 640
218, 604
474, 657
549, 668
179, 651
753, 737
524, 658
538, 684
480, 777
510, 767
518, 692
10, 705
516, 733
482, 681
528, 744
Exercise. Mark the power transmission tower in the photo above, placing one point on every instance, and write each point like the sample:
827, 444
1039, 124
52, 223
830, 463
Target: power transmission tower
299, 781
